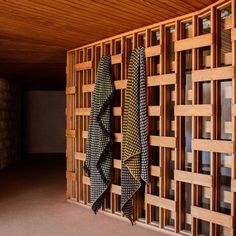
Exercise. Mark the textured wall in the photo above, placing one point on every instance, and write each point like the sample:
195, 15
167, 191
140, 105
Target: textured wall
45, 122
10, 123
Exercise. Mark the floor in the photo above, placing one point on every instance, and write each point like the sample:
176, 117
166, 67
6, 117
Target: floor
32, 203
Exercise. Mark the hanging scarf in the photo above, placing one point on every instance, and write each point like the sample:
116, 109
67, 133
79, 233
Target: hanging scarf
134, 145
98, 161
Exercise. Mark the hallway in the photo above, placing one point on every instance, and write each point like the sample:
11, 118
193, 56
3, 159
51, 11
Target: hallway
33, 203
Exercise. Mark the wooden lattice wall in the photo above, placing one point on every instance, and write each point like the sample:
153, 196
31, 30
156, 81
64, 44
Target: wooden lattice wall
191, 98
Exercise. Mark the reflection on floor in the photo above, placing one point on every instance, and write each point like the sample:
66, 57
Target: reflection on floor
33, 203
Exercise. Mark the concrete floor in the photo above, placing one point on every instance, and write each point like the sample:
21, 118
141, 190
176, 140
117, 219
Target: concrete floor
32, 203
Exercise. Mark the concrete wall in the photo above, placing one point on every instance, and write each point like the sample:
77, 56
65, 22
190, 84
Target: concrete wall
44, 122
10, 123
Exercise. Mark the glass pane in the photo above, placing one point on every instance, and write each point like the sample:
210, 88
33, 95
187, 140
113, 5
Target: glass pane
186, 194
170, 49
225, 183
187, 142
187, 30
154, 185
170, 106
205, 127
205, 57
203, 228
205, 25
141, 40
204, 162
154, 155
225, 45
154, 215
170, 165
186, 77
204, 197
155, 34
225, 110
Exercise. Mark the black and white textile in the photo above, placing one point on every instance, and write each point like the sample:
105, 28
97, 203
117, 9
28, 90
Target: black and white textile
99, 159
134, 144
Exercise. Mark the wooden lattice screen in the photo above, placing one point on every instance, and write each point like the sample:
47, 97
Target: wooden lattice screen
191, 97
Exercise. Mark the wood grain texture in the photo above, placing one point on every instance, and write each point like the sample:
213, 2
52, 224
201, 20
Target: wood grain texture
191, 121
33, 30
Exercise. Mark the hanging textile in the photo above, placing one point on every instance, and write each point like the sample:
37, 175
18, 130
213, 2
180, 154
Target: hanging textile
134, 145
98, 161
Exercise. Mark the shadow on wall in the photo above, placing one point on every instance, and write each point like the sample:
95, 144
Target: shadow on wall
44, 122
10, 126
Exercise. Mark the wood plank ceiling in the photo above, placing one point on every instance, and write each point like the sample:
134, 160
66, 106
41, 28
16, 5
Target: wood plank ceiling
38, 32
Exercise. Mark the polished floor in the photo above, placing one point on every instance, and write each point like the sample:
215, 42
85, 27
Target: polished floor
33, 203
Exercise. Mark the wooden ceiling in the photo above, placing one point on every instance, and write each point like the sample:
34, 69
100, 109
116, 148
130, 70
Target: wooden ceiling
40, 31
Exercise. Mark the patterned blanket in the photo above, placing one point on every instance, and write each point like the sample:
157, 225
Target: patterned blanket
98, 161
134, 145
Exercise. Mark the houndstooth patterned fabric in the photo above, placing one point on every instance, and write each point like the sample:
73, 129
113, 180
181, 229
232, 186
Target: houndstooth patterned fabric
98, 161
134, 145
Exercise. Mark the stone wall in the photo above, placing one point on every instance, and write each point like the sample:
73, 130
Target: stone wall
10, 123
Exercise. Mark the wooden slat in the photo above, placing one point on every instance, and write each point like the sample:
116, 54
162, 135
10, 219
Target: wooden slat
193, 110
83, 66
116, 189
88, 88
70, 133
86, 111
152, 51
119, 84
155, 171
193, 178
227, 58
195, 42
117, 111
183, 176
228, 23
233, 185
212, 145
116, 59
154, 111
212, 216
82, 111
207, 61
169, 150
70, 175
117, 164
162, 141
220, 73
160, 202
86, 180
201, 179
158, 80
233, 34
84, 134
234, 109
70, 90
117, 136
80, 156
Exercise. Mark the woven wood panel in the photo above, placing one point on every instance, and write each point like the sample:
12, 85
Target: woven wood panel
191, 121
